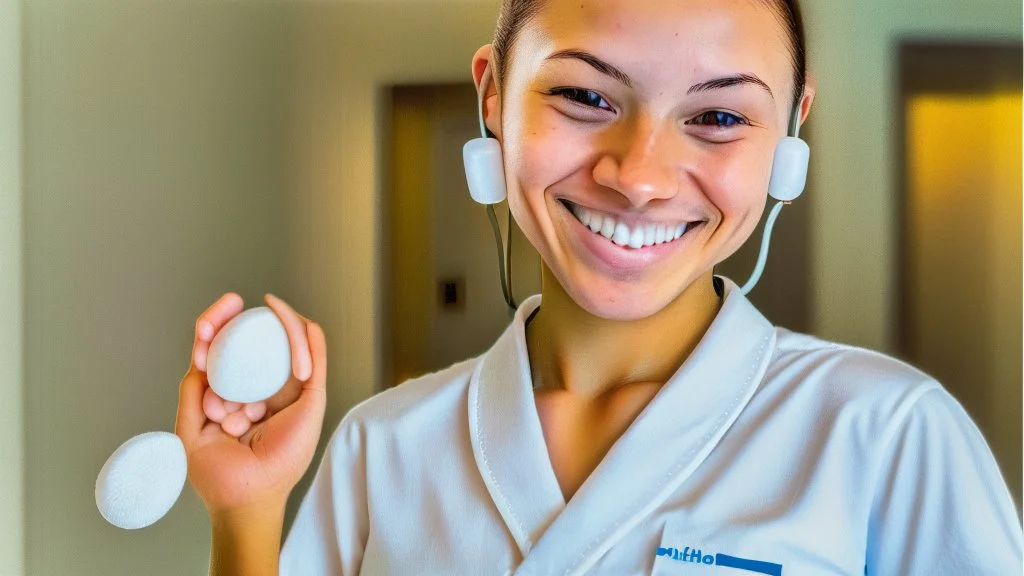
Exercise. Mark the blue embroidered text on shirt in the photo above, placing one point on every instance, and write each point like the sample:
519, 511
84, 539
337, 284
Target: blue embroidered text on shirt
697, 556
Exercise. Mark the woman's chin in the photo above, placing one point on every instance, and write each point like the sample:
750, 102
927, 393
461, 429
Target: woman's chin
621, 305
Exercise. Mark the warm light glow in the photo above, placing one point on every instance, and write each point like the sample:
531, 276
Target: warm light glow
964, 253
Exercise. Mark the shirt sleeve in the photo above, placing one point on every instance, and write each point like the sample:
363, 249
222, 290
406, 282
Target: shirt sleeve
941, 506
330, 529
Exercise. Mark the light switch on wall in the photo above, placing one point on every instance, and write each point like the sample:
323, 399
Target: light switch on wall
452, 294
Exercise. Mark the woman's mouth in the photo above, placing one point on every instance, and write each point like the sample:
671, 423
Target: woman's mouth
639, 235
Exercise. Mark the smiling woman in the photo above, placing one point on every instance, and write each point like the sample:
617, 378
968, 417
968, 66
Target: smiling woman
640, 412
653, 114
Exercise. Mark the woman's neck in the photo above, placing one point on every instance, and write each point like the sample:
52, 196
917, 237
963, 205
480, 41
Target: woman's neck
575, 351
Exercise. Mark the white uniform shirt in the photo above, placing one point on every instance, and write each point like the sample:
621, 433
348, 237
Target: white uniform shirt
768, 452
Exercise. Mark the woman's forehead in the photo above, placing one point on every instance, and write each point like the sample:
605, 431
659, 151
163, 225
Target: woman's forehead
652, 39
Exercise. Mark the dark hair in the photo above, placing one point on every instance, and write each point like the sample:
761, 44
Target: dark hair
515, 13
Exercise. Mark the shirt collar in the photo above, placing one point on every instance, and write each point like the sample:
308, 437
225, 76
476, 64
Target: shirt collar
671, 437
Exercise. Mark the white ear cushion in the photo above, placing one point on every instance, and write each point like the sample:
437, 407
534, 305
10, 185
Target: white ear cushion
250, 358
789, 169
141, 480
485, 172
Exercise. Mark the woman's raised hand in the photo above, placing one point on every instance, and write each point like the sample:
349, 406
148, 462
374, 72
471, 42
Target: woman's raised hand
244, 455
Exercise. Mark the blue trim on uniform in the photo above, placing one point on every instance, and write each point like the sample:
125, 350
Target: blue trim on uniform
749, 565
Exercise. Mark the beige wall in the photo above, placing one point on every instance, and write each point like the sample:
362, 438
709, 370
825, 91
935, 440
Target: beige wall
853, 53
12, 457
154, 182
351, 53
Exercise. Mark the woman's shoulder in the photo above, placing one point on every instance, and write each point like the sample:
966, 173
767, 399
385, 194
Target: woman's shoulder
851, 378
899, 416
846, 362
428, 398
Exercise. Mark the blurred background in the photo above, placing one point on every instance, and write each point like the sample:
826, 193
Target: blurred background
157, 154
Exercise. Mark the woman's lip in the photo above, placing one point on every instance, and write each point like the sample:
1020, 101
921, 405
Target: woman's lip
606, 254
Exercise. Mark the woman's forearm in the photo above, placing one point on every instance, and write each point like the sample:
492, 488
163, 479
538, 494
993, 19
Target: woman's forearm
247, 542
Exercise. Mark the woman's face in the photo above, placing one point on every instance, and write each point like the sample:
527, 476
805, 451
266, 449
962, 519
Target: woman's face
642, 120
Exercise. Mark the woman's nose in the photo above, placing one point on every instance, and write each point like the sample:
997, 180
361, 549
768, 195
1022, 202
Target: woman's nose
641, 163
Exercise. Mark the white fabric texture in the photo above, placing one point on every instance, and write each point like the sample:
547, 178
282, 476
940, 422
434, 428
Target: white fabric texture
768, 452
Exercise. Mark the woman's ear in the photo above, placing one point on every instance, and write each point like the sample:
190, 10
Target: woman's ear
483, 63
810, 89
480, 60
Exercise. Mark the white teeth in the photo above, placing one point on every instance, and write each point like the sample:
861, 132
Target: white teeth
636, 239
584, 216
622, 235
608, 228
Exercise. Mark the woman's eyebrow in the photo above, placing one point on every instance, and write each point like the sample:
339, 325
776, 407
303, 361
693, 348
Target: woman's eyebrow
608, 69
727, 81
597, 63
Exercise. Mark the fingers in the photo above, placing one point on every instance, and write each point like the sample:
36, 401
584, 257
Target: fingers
214, 406
218, 410
239, 422
295, 325
236, 424
192, 401
318, 349
210, 322
191, 417
297, 425
200, 406
308, 410
255, 411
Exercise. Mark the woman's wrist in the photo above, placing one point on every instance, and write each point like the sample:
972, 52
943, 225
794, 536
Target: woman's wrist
260, 512
247, 540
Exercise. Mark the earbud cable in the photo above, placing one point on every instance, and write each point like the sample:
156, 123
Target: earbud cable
504, 253
762, 258
501, 259
508, 261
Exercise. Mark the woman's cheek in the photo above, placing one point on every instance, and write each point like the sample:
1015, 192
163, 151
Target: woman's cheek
545, 151
739, 193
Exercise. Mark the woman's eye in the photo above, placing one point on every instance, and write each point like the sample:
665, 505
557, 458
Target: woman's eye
580, 96
717, 118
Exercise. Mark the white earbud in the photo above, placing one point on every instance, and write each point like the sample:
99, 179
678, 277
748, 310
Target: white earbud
485, 172
789, 176
789, 167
